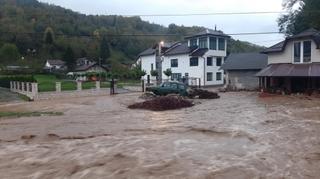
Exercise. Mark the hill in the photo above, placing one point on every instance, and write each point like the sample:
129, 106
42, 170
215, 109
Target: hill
38, 31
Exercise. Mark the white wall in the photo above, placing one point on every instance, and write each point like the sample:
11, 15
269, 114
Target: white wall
214, 69
184, 66
146, 62
287, 55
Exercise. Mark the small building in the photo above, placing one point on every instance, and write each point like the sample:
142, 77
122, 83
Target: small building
241, 68
84, 66
293, 64
198, 57
55, 65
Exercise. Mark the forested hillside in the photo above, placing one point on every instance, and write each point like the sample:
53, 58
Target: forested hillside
37, 31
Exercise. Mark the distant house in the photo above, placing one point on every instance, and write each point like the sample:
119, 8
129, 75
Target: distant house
55, 65
241, 68
293, 64
199, 56
83, 66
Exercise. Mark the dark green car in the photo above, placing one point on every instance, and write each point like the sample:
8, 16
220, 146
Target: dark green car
169, 88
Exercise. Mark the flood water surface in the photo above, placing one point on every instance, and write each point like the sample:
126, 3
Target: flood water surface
236, 136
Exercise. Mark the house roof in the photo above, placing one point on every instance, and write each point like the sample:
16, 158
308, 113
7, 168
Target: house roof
208, 32
199, 52
245, 61
149, 51
291, 70
84, 58
180, 48
87, 67
56, 62
310, 33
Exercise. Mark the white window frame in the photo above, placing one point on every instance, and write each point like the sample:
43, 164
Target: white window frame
301, 52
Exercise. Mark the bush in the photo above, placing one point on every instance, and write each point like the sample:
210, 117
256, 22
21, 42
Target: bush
5, 79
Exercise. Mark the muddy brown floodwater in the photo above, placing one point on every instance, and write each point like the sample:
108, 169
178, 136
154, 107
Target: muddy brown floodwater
236, 136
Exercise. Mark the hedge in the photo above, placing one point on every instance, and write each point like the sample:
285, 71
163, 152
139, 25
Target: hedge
5, 79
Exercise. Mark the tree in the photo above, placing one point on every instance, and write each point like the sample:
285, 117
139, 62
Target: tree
137, 72
299, 19
49, 36
9, 53
168, 72
69, 58
154, 73
104, 50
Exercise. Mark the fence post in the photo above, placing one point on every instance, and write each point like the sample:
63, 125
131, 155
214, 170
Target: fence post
79, 85
34, 90
142, 86
28, 87
98, 85
58, 87
11, 85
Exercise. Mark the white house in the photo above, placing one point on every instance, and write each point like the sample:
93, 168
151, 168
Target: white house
293, 64
198, 57
52, 65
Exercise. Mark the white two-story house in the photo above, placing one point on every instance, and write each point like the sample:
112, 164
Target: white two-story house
197, 59
293, 64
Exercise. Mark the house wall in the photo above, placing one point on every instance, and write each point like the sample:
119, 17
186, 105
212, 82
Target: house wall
214, 69
242, 79
184, 66
146, 62
287, 55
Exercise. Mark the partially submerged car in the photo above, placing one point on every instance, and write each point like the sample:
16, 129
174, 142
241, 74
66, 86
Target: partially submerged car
169, 88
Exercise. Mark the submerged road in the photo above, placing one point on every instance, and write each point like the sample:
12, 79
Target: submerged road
236, 136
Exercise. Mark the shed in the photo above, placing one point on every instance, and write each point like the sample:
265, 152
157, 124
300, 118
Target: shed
241, 69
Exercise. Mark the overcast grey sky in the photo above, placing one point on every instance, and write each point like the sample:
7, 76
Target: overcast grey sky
227, 23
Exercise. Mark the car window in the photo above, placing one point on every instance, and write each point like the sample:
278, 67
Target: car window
182, 87
166, 85
174, 85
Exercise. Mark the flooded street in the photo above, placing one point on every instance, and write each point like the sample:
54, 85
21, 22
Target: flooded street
236, 136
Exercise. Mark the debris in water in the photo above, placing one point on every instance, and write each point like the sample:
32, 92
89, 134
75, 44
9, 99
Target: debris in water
163, 103
203, 94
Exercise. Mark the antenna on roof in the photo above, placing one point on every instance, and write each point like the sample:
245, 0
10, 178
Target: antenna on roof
215, 27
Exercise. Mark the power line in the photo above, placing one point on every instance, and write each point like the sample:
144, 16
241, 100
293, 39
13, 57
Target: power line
140, 35
172, 15
207, 14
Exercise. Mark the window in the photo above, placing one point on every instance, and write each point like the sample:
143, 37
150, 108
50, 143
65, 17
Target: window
203, 42
166, 85
219, 76
219, 62
297, 52
302, 52
194, 61
174, 85
151, 66
221, 44
182, 87
209, 76
209, 61
213, 43
193, 43
306, 51
174, 62
176, 76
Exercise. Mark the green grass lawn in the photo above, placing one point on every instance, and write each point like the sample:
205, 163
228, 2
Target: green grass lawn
28, 114
48, 83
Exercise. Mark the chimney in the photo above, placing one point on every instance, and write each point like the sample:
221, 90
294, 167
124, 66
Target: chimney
215, 28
